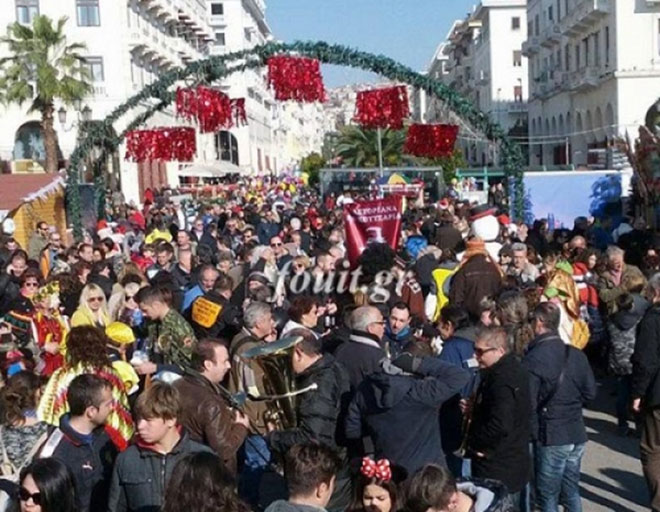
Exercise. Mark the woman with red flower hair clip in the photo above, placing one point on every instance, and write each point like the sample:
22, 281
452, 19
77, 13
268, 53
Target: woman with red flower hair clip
375, 489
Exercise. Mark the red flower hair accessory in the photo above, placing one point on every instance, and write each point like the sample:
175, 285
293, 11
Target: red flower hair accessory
380, 470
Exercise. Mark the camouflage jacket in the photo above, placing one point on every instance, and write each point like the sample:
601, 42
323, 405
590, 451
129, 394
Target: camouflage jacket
171, 340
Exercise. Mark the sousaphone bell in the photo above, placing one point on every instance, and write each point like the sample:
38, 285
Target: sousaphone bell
279, 384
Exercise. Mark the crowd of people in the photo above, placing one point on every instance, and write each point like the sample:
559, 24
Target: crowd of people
225, 355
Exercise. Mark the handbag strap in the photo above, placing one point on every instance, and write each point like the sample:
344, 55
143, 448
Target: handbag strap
543, 404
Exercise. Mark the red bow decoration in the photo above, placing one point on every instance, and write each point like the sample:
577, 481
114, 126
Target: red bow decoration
211, 108
238, 111
176, 144
431, 140
382, 108
380, 470
296, 78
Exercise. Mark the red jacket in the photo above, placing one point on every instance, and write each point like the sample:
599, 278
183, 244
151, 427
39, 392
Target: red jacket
582, 277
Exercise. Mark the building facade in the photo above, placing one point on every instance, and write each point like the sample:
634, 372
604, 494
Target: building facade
240, 25
594, 73
481, 58
130, 43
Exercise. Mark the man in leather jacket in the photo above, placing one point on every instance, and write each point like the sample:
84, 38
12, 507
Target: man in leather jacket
207, 414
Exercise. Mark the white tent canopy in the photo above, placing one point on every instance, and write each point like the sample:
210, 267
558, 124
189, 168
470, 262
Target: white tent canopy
210, 169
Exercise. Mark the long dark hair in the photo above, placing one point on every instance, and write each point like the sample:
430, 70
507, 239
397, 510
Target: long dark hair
18, 396
200, 483
54, 482
358, 491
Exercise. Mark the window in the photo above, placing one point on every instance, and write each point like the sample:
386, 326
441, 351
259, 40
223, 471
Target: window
530, 29
597, 48
550, 18
226, 147
607, 44
536, 25
219, 38
517, 58
515, 23
558, 10
88, 13
94, 66
585, 44
248, 34
217, 9
567, 58
26, 10
577, 57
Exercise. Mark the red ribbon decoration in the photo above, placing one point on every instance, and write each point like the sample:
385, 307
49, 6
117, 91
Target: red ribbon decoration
382, 108
176, 144
296, 78
380, 470
238, 111
431, 140
211, 108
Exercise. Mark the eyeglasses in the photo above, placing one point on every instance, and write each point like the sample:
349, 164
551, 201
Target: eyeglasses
130, 297
95, 299
380, 322
25, 495
481, 351
31, 285
277, 244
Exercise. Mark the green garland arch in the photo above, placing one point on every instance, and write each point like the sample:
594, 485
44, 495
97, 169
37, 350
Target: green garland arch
215, 68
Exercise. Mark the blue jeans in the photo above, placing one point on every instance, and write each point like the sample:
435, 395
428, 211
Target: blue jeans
256, 457
459, 467
558, 477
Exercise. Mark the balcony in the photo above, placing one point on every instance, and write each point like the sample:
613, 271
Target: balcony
551, 36
517, 107
584, 15
137, 39
584, 79
531, 46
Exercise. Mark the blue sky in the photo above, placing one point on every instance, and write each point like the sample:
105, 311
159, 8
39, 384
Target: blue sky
406, 30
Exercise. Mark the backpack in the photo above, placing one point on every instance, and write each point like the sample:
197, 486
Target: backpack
9, 474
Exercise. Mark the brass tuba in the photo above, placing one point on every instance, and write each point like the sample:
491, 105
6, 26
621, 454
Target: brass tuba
274, 359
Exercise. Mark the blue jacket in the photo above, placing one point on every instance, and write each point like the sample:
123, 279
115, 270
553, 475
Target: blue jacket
459, 351
562, 422
400, 412
266, 231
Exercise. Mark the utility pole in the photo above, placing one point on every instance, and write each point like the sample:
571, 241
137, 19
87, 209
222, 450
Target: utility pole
380, 153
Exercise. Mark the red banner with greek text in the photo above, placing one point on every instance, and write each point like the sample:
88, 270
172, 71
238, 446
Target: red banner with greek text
368, 222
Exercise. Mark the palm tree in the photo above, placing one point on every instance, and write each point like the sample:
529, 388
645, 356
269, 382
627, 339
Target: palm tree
43, 68
359, 148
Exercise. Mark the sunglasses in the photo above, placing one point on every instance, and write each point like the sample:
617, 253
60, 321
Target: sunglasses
95, 299
130, 297
481, 351
25, 495
278, 244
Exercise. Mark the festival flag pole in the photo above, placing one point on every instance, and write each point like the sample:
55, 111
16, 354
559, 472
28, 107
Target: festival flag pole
380, 153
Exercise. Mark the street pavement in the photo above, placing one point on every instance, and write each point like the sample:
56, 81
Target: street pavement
612, 478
